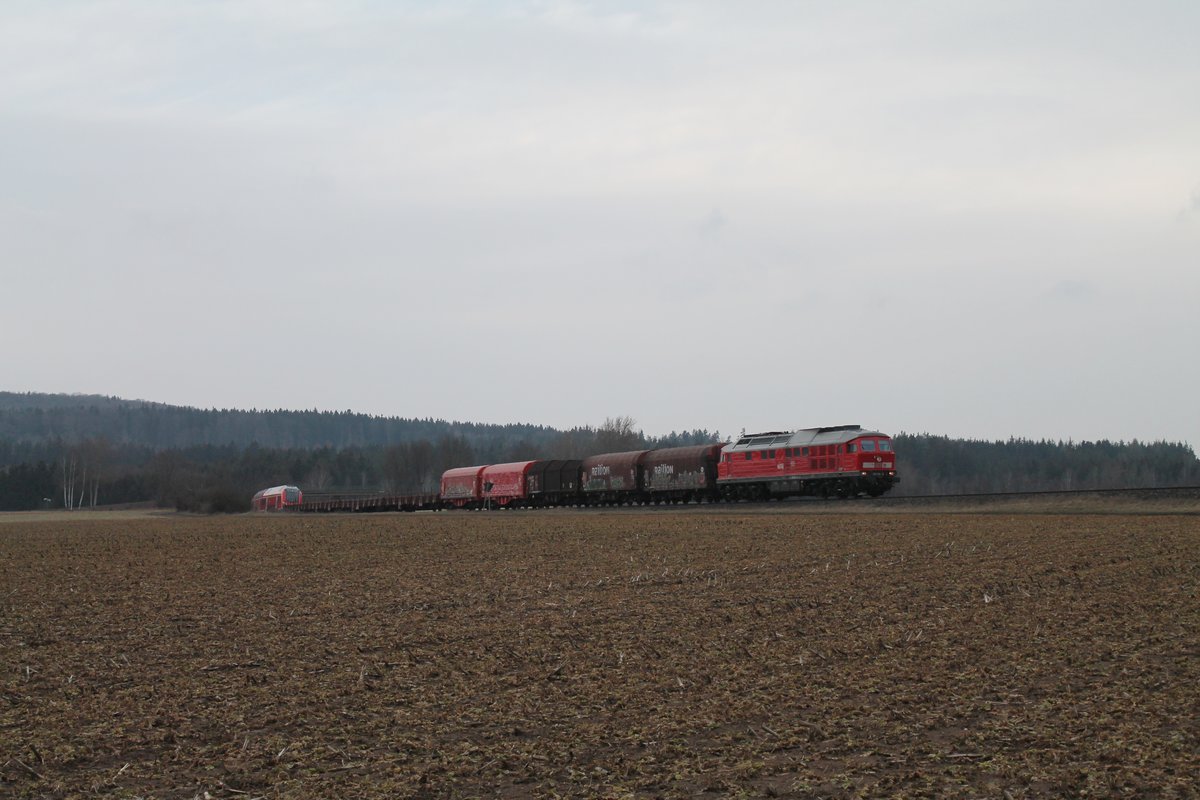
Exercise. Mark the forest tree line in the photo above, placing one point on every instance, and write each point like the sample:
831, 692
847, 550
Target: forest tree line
106, 451
42, 417
63, 473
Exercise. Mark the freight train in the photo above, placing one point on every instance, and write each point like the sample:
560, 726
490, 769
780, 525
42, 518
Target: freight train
839, 461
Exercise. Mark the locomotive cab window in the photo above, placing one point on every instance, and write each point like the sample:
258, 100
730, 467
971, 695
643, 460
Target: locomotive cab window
851, 448
885, 445
868, 445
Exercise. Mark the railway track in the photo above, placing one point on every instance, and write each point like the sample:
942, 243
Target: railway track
1139, 493
377, 502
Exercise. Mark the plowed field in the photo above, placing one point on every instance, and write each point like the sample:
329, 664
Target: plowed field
601, 655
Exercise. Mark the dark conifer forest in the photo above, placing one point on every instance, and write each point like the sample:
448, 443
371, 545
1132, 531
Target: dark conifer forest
87, 450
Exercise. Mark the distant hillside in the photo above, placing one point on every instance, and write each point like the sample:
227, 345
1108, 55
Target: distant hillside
10, 401
40, 418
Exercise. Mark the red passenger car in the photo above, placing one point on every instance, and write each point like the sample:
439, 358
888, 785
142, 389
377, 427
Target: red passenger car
276, 498
841, 461
462, 487
505, 484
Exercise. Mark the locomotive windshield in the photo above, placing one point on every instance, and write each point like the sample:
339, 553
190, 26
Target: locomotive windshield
868, 445
291, 495
885, 445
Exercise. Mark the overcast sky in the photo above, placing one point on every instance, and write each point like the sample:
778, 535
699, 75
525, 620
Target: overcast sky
976, 219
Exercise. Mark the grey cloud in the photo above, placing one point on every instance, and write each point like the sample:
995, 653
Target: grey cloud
1072, 290
1191, 207
712, 223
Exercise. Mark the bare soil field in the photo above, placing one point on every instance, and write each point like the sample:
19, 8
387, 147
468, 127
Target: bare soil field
600, 655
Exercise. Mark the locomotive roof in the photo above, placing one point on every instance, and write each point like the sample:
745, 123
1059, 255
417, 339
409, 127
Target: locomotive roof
837, 434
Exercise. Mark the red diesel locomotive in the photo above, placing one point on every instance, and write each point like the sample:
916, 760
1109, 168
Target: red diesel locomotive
840, 461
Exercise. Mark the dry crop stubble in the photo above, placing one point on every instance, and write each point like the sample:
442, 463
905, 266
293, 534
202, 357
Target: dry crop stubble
620, 654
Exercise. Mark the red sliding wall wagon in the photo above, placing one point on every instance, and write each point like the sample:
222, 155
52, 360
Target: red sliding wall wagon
276, 498
462, 487
505, 484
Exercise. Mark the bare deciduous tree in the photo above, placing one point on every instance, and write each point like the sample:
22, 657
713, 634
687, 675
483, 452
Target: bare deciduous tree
617, 434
